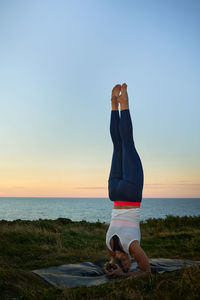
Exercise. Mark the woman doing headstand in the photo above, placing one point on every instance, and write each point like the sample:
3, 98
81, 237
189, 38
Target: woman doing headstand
125, 187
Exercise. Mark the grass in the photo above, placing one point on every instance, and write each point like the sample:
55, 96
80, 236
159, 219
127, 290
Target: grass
27, 245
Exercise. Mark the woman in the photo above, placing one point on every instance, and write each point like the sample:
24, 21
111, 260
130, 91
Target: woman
125, 187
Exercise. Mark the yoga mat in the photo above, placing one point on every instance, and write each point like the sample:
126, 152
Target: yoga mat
92, 273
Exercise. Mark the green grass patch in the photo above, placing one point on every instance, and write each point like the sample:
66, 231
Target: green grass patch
27, 245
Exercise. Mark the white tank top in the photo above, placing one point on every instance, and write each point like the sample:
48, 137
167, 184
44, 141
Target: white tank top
125, 223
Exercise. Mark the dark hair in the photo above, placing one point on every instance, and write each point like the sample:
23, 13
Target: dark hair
112, 264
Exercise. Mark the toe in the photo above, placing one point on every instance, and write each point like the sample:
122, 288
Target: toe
124, 88
117, 87
116, 90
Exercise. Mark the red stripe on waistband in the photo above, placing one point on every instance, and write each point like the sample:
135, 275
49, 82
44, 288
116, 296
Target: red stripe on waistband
127, 203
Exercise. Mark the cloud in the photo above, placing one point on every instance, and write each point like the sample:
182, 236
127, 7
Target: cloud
90, 187
11, 188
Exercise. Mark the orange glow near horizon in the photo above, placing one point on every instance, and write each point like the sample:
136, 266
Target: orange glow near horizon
62, 189
91, 180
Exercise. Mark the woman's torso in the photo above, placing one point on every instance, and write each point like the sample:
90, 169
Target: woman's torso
125, 224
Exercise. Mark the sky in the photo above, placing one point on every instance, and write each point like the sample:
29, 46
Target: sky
59, 61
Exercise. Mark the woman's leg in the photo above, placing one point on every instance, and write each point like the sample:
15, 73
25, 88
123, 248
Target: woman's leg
131, 164
131, 186
116, 165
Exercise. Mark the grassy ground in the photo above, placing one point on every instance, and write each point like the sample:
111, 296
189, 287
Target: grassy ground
28, 245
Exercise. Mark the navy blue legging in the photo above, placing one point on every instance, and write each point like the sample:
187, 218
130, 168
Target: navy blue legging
125, 181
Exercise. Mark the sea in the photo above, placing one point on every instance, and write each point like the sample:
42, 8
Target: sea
90, 209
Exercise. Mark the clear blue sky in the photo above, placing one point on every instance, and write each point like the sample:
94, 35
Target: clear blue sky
58, 63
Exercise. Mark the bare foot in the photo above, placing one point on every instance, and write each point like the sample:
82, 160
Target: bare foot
123, 98
115, 94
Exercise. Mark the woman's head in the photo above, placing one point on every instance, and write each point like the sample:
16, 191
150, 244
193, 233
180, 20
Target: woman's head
124, 259
121, 259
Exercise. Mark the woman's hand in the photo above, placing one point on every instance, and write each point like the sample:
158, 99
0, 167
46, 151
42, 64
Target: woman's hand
118, 271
